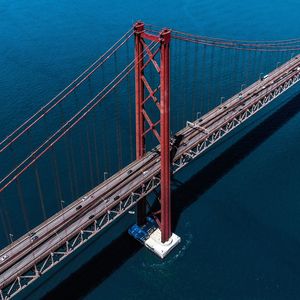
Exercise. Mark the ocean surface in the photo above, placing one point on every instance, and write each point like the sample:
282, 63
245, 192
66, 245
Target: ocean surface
237, 209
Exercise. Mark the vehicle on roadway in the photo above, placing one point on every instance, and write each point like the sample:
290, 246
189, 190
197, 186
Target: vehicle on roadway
33, 238
3, 258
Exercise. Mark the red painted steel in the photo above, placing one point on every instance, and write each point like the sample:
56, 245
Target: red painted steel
139, 90
165, 134
142, 117
139, 107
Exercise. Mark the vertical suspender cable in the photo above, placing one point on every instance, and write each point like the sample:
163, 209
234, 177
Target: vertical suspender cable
117, 100
73, 165
67, 153
54, 166
22, 203
5, 225
105, 142
243, 77
60, 198
195, 82
95, 140
203, 86
88, 143
185, 87
40, 192
260, 68
233, 70
20, 195
130, 104
236, 68
181, 84
248, 61
105, 149
176, 79
220, 75
8, 222
211, 80
96, 150
253, 66
84, 173
37, 179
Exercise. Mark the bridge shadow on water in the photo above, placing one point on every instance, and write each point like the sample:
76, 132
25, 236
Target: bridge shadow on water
113, 256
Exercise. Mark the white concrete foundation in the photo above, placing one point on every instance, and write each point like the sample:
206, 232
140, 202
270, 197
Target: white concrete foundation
161, 249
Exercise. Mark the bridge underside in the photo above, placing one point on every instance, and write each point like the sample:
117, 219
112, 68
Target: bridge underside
66, 231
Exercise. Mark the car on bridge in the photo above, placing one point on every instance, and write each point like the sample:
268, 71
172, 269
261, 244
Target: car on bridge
3, 258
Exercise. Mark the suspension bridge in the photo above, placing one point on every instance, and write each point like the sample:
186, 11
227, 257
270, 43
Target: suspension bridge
115, 136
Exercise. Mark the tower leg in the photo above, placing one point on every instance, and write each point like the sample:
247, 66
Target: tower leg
165, 135
139, 119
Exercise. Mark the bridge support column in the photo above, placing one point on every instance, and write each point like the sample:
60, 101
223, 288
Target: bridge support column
165, 135
139, 106
154, 234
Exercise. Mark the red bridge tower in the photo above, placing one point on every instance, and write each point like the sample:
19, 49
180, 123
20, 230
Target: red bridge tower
160, 95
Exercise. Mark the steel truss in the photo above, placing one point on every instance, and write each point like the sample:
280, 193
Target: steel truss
70, 244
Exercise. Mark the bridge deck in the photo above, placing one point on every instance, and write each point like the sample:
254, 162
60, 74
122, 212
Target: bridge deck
64, 232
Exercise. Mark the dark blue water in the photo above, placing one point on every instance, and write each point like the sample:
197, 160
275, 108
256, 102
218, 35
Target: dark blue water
236, 209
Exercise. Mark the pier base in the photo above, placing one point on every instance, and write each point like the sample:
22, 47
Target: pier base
149, 235
154, 243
